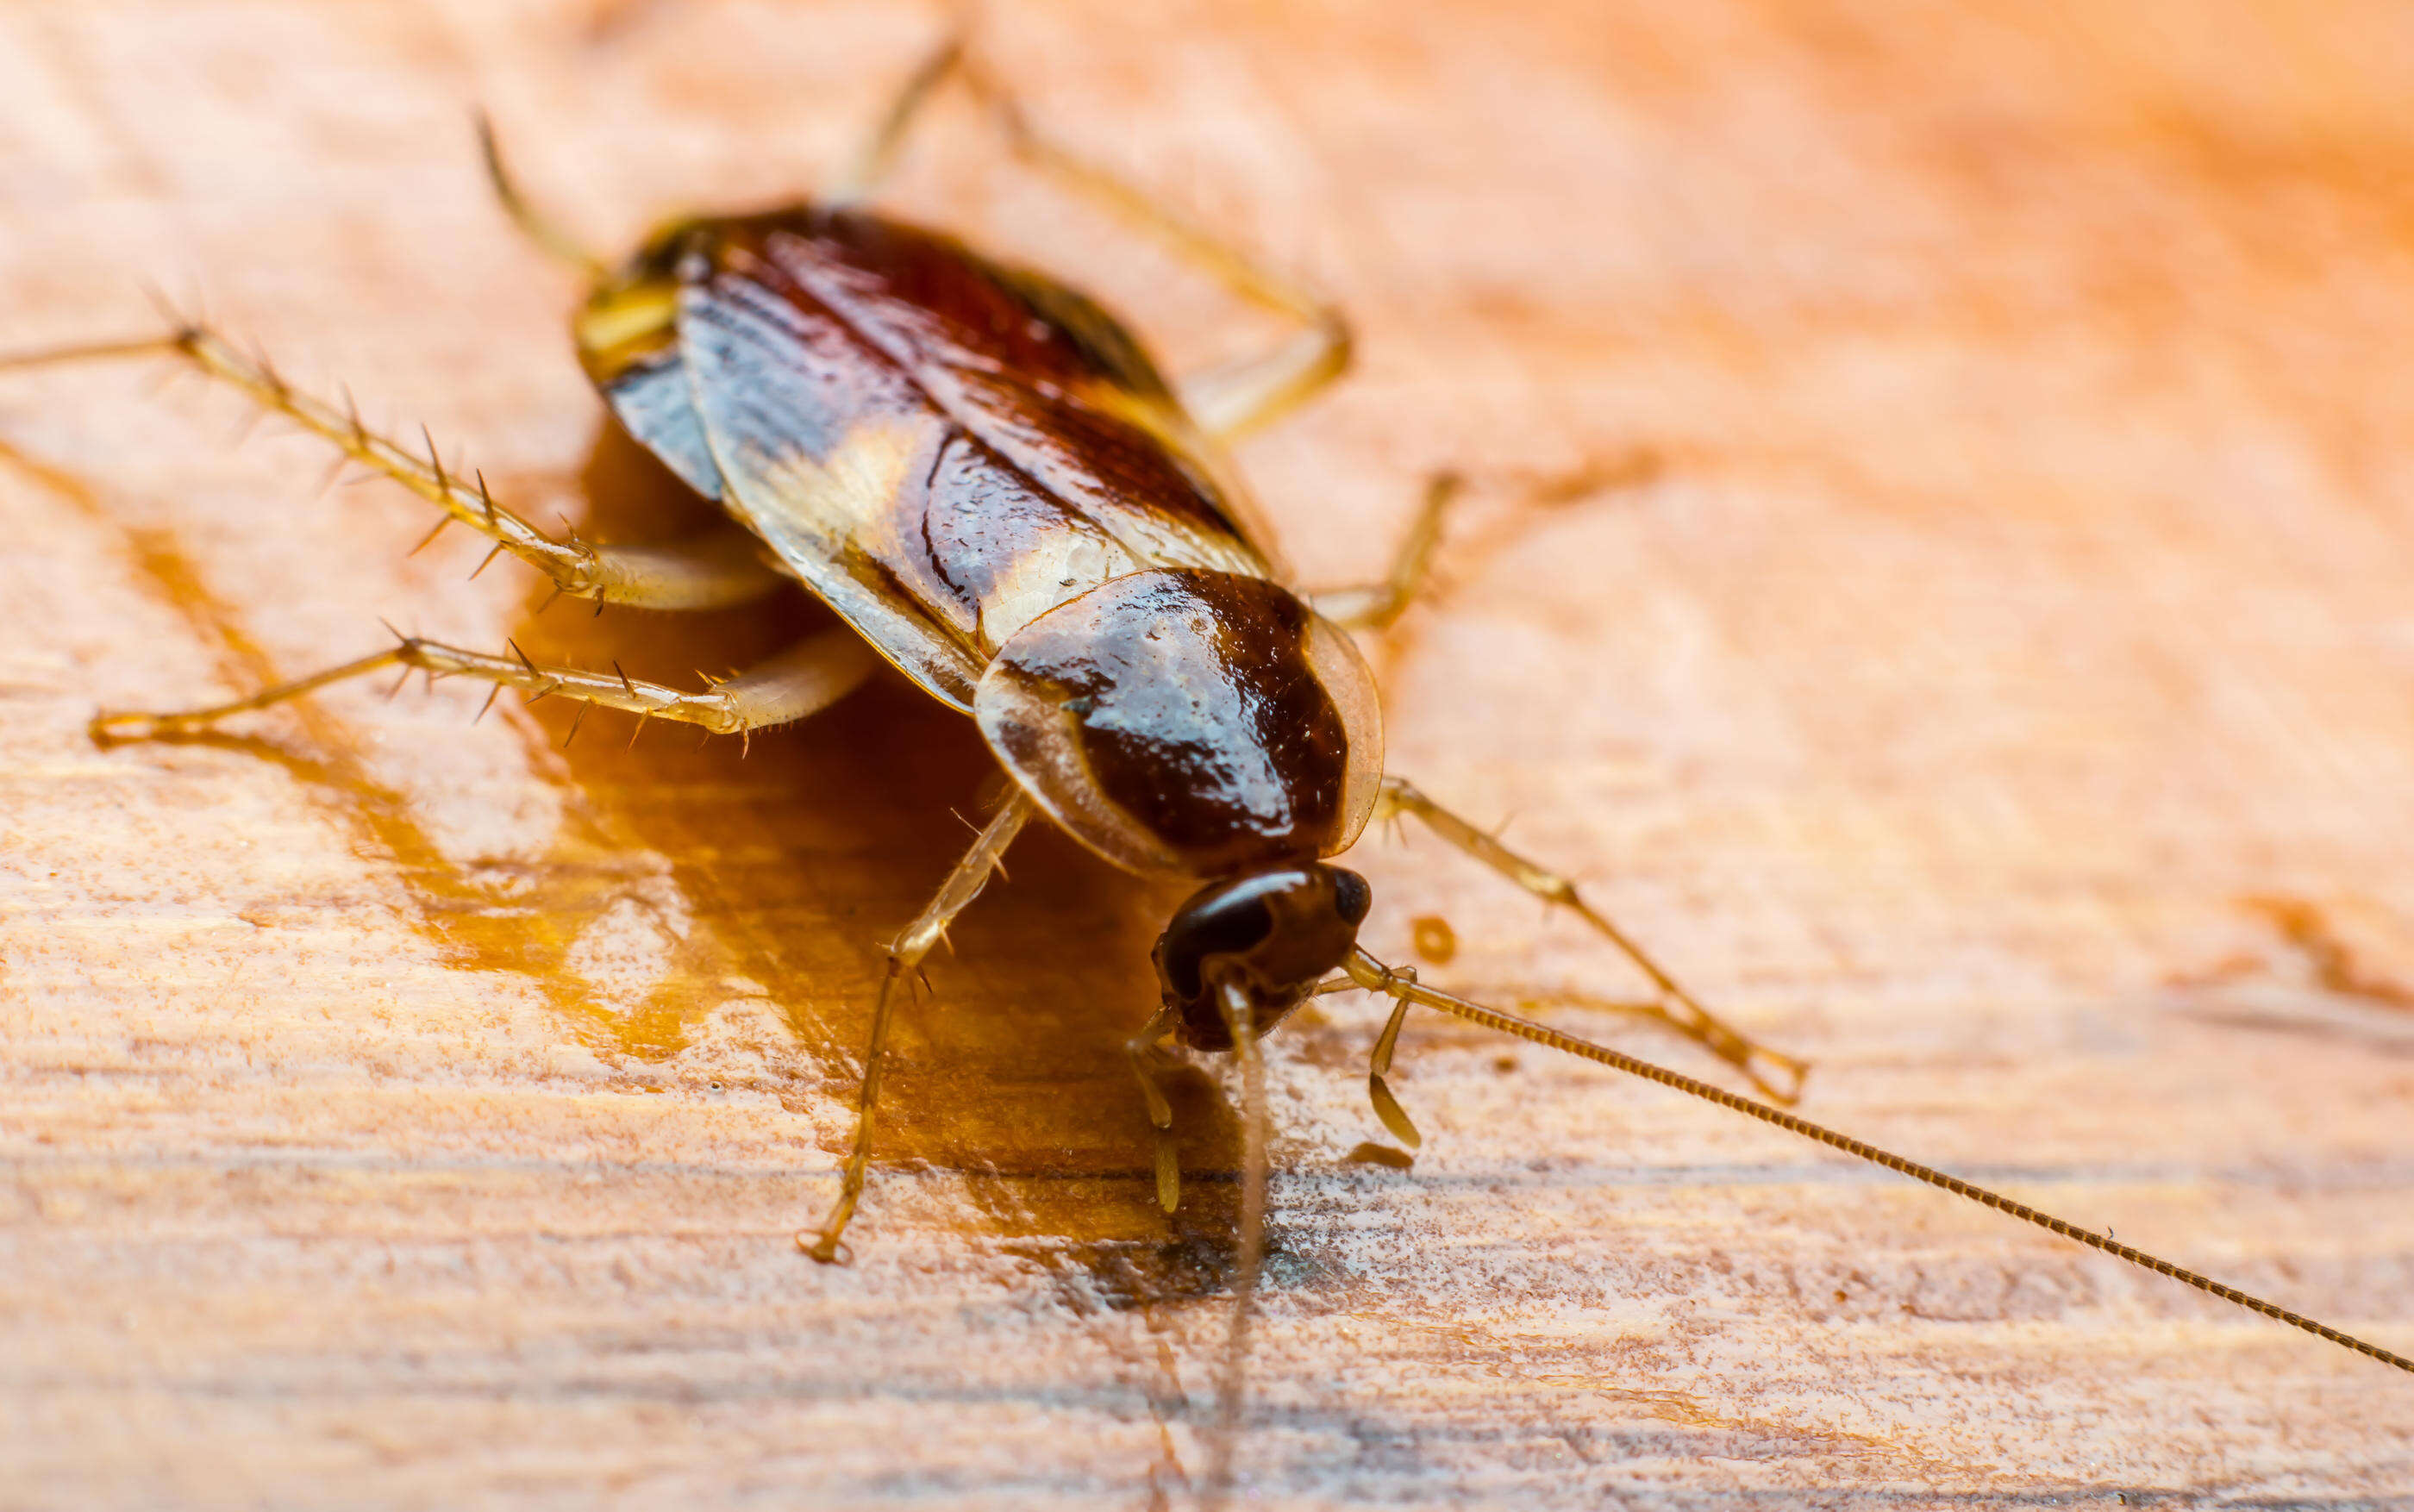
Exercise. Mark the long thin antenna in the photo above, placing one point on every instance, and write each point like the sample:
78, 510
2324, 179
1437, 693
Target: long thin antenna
534, 224
1373, 975
1232, 1384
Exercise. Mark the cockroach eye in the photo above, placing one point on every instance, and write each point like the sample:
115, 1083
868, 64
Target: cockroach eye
1277, 933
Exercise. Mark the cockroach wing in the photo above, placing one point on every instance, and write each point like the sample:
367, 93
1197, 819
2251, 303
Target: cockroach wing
817, 442
1034, 370
653, 401
938, 493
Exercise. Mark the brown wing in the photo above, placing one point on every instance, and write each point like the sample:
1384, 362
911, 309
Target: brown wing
628, 341
1037, 370
938, 450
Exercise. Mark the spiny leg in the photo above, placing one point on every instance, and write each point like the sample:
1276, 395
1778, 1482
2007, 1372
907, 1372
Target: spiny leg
108, 729
1240, 396
1376, 606
876, 155
956, 894
1237, 397
808, 677
722, 566
1226, 401
1144, 1051
1676, 1006
539, 229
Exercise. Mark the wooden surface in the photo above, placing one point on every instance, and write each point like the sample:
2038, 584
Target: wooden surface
1989, 676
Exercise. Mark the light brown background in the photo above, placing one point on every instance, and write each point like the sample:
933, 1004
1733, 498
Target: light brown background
2007, 585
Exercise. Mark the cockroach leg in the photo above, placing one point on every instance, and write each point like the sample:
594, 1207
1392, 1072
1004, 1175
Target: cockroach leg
1248, 394
956, 894
722, 566
1379, 1069
1226, 401
1146, 1048
1239, 396
1674, 1006
876, 157
1376, 606
539, 229
801, 680
108, 729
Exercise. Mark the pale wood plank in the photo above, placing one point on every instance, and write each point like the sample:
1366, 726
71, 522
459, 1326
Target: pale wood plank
401, 1115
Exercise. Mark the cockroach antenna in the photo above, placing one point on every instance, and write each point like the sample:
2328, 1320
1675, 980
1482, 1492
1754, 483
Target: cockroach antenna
1364, 970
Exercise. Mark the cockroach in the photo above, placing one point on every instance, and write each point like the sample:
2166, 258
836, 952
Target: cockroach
1001, 494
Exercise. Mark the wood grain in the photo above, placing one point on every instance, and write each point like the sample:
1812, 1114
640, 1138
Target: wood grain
1989, 675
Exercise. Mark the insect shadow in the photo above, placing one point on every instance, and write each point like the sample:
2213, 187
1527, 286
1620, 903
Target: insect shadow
796, 855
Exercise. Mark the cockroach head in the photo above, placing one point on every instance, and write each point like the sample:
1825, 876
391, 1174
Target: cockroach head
1275, 932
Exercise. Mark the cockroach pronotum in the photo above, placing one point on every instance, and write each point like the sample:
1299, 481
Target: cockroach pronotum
992, 483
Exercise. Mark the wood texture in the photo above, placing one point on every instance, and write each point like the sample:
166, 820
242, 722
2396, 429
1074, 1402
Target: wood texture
1988, 675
